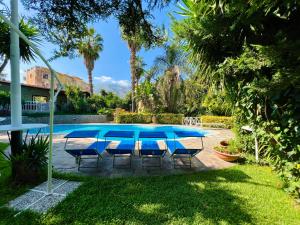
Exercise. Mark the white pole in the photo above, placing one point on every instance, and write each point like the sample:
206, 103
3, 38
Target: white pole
256, 149
15, 87
52, 105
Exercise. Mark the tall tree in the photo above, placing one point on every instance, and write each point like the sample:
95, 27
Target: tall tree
140, 70
172, 60
170, 90
66, 20
26, 52
89, 47
134, 43
252, 48
170, 85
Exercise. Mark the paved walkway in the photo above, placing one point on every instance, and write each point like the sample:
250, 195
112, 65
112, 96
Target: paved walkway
205, 160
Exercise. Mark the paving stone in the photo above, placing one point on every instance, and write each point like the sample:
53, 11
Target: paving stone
23, 201
67, 187
43, 186
37, 200
46, 203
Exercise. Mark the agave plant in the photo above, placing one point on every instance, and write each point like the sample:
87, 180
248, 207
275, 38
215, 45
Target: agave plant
29, 165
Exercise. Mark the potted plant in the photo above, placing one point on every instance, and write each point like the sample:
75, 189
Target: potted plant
228, 151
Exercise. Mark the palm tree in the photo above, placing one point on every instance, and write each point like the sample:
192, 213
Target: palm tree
140, 71
170, 85
89, 47
134, 43
26, 52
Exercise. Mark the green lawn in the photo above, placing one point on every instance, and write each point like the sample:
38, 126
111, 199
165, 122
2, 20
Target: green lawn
7, 191
244, 194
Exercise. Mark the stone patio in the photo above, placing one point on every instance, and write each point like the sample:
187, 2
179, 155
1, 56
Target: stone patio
38, 200
205, 160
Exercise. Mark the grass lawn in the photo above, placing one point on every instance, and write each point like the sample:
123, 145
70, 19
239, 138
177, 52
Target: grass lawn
244, 194
7, 191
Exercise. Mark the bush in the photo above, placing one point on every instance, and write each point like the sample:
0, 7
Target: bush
218, 121
216, 103
133, 117
105, 111
169, 118
30, 164
164, 118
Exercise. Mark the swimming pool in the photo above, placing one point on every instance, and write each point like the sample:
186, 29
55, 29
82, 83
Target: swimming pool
168, 129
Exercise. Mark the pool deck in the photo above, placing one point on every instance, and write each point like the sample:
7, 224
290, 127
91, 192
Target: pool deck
205, 160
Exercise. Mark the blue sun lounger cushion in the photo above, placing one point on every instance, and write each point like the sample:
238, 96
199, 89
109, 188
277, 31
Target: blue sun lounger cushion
152, 134
151, 148
176, 148
83, 134
124, 147
95, 149
119, 134
189, 134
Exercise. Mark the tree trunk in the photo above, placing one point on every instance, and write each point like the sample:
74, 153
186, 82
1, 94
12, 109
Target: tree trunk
133, 76
90, 81
3, 64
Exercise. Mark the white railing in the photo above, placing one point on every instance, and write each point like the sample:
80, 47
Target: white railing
31, 106
192, 121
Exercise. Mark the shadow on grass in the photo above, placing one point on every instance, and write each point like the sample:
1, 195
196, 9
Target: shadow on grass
195, 198
198, 198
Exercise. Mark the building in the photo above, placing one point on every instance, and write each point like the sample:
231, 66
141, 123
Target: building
40, 77
36, 91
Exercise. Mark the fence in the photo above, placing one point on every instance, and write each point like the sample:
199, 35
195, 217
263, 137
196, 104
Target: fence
191, 121
31, 106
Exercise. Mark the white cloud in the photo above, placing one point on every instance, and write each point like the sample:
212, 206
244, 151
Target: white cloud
103, 78
120, 87
123, 83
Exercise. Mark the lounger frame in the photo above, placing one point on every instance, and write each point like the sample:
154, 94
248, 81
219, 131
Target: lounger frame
161, 135
177, 155
79, 157
121, 155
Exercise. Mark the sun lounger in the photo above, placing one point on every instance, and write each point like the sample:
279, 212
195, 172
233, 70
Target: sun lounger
177, 150
125, 148
150, 148
95, 149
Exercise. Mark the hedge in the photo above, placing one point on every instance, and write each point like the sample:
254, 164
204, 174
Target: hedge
217, 121
133, 118
169, 118
164, 118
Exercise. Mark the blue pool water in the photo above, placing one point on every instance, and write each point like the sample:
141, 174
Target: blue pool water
67, 128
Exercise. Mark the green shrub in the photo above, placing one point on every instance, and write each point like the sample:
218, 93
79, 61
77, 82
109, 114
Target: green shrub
164, 118
133, 117
105, 111
218, 121
30, 164
169, 118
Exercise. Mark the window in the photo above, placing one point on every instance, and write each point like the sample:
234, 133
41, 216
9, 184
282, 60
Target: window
45, 76
37, 98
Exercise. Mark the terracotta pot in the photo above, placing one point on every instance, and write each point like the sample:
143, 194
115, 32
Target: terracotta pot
227, 157
224, 143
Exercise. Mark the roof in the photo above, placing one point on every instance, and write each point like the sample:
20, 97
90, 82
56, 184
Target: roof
29, 85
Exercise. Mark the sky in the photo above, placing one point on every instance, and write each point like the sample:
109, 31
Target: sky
112, 70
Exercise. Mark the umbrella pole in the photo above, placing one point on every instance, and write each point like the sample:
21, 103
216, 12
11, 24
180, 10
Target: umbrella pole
15, 87
52, 108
